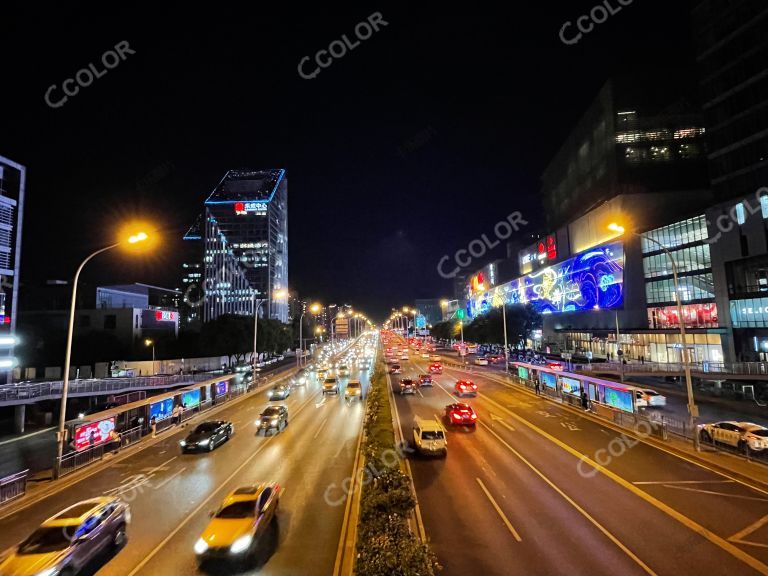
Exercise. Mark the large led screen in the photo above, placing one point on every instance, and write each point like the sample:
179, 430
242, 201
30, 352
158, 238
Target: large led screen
549, 379
190, 399
592, 280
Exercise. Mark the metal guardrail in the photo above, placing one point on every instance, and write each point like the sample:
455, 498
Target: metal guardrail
708, 368
22, 393
13, 486
76, 460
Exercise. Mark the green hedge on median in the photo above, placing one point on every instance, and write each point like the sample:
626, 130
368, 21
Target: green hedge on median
385, 546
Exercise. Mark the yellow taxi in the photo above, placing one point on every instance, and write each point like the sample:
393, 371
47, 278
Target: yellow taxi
237, 526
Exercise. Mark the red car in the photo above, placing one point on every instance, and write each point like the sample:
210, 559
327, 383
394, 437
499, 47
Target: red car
425, 380
436, 368
460, 414
466, 387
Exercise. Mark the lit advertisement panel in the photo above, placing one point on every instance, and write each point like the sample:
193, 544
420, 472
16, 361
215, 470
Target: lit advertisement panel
161, 410
570, 385
522, 372
221, 388
191, 398
549, 380
590, 281
620, 399
93, 433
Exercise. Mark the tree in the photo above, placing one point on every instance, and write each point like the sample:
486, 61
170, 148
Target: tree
228, 335
488, 328
445, 330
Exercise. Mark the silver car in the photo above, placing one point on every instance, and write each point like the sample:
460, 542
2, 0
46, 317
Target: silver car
67, 542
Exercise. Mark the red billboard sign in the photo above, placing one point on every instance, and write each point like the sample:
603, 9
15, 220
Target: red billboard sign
93, 433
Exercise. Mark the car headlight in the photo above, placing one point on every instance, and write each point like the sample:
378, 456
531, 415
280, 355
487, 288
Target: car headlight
273, 421
203, 442
201, 546
183, 443
49, 572
241, 544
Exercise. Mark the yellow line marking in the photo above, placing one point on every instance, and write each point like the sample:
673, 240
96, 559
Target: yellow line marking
499, 511
684, 520
570, 501
758, 544
663, 482
749, 529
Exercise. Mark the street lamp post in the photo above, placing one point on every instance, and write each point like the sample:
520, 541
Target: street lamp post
693, 410
139, 237
257, 302
506, 347
150, 342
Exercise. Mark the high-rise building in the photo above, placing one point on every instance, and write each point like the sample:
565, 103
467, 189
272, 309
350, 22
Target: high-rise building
639, 135
732, 58
12, 183
245, 247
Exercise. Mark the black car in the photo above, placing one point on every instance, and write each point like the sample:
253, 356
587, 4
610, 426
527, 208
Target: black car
208, 436
273, 418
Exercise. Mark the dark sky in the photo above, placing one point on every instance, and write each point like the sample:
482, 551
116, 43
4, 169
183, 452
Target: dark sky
405, 149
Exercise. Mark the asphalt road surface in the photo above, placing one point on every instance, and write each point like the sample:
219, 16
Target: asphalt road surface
519, 494
172, 494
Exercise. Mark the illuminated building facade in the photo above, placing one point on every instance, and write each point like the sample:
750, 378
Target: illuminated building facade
12, 185
245, 250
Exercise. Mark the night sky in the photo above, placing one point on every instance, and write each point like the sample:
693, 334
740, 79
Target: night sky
405, 149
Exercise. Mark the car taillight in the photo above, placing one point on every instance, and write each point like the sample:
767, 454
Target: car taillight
474, 416
455, 416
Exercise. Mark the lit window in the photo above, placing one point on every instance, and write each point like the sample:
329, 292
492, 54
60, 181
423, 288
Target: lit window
740, 216
764, 206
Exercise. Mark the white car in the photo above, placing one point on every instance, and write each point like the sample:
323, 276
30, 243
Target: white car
425, 356
647, 398
481, 361
737, 434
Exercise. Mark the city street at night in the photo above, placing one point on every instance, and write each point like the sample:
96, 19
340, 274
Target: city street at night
384, 290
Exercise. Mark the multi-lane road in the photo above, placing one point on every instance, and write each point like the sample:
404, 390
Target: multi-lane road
171, 494
520, 494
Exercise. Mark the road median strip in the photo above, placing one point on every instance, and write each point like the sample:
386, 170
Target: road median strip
385, 543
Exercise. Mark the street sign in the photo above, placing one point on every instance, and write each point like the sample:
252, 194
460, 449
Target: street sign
421, 321
460, 314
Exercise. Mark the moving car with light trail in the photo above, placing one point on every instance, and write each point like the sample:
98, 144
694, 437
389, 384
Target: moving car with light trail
407, 386
465, 388
330, 386
207, 436
647, 398
273, 418
280, 392
236, 528
460, 414
354, 390
68, 541
429, 437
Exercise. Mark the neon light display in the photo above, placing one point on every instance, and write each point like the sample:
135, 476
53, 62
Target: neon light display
165, 316
592, 280
242, 208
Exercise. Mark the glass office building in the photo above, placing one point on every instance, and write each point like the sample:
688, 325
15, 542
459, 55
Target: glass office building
245, 250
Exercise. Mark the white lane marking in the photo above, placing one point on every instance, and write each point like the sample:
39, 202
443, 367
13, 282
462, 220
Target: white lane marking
419, 391
570, 426
573, 503
319, 428
163, 466
205, 501
685, 482
749, 529
724, 494
499, 511
171, 477
501, 421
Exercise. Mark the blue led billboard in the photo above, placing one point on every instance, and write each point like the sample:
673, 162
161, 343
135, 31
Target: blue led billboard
548, 379
591, 280
161, 410
191, 399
